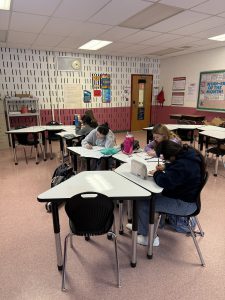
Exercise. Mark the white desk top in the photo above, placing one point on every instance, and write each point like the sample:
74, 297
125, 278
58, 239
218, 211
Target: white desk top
220, 135
59, 127
84, 152
212, 128
177, 126
31, 129
141, 156
149, 183
106, 182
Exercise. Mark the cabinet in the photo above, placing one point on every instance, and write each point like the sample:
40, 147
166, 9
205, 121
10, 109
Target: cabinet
17, 107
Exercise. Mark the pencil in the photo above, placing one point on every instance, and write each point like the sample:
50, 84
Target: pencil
158, 161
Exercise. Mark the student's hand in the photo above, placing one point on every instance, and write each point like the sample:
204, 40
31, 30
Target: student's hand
152, 172
89, 146
160, 168
151, 153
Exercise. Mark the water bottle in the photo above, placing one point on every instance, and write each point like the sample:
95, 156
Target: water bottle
76, 120
128, 144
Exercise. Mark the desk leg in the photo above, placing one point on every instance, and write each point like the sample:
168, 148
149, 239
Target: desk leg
56, 227
216, 165
121, 216
61, 148
134, 236
35, 146
200, 142
14, 149
44, 144
151, 227
50, 148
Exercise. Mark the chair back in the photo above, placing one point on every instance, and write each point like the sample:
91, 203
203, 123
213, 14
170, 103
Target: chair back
204, 180
90, 213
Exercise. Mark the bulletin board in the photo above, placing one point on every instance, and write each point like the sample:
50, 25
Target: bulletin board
211, 93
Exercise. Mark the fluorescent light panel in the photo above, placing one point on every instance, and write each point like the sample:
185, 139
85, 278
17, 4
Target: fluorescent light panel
95, 45
150, 16
5, 4
220, 38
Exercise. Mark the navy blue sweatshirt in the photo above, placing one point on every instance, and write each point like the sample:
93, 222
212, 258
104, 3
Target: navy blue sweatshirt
181, 178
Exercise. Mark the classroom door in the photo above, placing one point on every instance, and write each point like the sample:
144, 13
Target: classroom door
141, 99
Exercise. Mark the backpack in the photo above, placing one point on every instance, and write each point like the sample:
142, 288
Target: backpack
61, 173
180, 224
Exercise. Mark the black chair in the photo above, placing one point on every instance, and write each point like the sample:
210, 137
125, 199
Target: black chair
52, 135
193, 215
27, 139
186, 134
90, 214
219, 150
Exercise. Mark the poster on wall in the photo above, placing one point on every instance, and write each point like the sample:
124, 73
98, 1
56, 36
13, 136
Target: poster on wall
87, 96
177, 98
96, 81
97, 93
106, 95
73, 95
211, 93
105, 81
179, 83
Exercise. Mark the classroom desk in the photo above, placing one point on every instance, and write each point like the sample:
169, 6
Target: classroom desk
187, 117
34, 130
109, 183
61, 131
220, 137
69, 133
88, 154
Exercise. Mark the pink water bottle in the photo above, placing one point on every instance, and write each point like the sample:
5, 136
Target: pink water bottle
128, 144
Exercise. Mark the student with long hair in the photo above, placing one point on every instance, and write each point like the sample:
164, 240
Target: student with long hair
101, 136
181, 178
85, 127
160, 133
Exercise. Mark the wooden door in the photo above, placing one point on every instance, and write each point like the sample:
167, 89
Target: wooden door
141, 99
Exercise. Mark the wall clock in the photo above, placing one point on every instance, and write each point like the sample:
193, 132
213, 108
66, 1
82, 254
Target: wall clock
76, 64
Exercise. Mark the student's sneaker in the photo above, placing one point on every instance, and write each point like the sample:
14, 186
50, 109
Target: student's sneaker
129, 226
143, 240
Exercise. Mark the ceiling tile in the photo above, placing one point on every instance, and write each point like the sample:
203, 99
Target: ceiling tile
117, 33
48, 40
79, 9
4, 20
200, 26
211, 7
36, 7
140, 36
21, 37
211, 32
161, 39
182, 4
88, 30
27, 22
59, 26
118, 11
177, 21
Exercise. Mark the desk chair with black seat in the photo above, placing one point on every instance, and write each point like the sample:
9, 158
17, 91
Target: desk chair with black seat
219, 151
26, 139
186, 134
52, 136
90, 214
193, 215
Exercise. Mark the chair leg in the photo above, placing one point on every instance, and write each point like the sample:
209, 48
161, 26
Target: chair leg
63, 288
201, 232
157, 225
196, 245
25, 155
117, 259
121, 217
